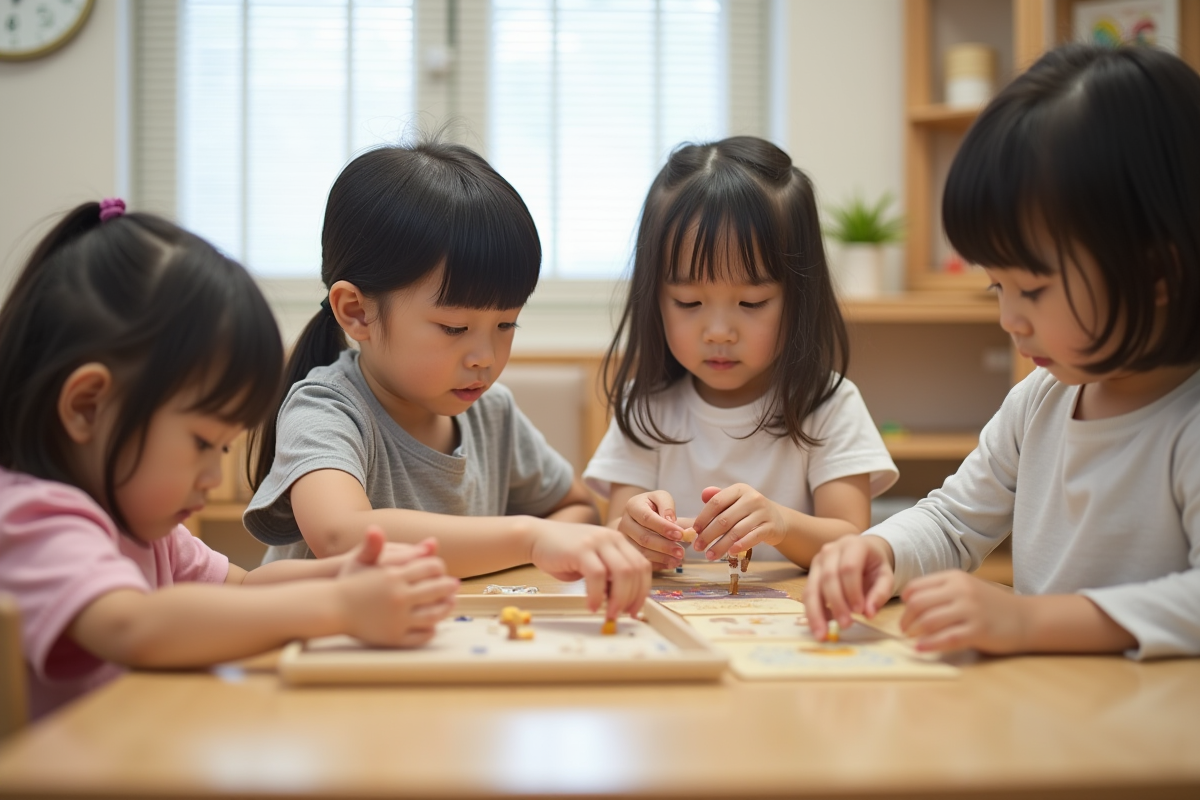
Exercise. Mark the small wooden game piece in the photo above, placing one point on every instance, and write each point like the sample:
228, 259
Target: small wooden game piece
525, 634
834, 633
732, 559
609, 628
689, 535
513, 618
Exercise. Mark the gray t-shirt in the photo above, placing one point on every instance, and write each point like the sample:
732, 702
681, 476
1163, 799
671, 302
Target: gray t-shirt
332, 420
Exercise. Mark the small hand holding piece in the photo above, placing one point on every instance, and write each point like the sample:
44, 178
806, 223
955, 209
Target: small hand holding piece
615, 573
649, 522
852, 575
735, 519
952, 610
392, 594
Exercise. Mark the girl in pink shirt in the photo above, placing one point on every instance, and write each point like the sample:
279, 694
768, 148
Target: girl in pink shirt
131, 354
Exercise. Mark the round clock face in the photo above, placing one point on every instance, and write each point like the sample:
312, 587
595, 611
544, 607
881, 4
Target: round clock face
32, 28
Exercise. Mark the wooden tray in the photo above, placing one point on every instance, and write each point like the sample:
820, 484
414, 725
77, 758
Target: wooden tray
472, 647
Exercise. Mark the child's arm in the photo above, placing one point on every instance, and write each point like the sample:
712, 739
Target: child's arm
575, 506
332, 511
952, 610
196, 624
648, 520
744, 517
295, 569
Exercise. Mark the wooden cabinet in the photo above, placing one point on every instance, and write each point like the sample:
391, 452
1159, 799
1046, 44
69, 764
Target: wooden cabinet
1019, 31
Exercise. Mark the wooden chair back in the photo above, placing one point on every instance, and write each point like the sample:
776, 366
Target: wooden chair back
14, 700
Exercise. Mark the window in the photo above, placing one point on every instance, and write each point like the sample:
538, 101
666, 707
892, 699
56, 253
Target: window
248, 109
587, 99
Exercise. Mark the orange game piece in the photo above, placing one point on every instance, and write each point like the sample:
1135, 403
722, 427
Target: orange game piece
609, 628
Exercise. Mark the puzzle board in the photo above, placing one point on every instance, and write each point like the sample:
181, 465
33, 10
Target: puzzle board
766, 646
473, 647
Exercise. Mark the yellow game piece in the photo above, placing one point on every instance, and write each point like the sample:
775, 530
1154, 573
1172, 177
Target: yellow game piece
834, 633
689, 535
512, 617
609, 628
525, 634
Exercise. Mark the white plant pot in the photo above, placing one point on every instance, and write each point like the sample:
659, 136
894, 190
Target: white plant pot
860, 272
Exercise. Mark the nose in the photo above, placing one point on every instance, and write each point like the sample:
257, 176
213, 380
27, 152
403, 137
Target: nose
718, 330
210, 475
482, 354
1012, 320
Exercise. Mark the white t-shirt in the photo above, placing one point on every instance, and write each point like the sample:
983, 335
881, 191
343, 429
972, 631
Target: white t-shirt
716, 451
1108, 508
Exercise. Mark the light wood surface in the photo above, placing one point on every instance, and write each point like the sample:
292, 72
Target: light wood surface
1041, 727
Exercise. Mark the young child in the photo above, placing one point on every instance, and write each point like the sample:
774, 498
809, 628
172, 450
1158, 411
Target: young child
428, 256
1078, 189
730, 410
131, 355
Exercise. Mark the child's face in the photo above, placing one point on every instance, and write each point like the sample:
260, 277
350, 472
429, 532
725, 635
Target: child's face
437, 359
726, 333
180, 463
1045, 325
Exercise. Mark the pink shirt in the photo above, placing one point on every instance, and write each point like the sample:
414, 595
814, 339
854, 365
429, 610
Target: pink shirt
59, 551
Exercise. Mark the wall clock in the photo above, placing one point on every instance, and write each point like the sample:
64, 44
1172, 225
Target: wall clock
33, 28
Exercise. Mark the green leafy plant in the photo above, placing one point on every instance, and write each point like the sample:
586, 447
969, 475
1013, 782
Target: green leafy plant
859, 222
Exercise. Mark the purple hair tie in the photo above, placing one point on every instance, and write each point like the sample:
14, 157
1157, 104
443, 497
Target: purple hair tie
111, 207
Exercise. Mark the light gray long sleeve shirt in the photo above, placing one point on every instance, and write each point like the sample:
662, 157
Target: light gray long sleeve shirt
1106, 508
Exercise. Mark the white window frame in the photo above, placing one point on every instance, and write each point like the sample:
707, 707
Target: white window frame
564, 314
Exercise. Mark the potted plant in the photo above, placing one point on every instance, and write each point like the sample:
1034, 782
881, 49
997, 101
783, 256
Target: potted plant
863, 229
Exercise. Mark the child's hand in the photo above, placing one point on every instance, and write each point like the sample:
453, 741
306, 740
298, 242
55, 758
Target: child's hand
649, 522
740, 517
394, 604
376, 550
852, 575
606, 561
952, 610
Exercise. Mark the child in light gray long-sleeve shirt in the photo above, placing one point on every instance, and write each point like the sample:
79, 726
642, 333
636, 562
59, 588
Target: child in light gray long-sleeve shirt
1078, 189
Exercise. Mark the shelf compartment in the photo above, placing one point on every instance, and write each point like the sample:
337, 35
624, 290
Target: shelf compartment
922, 307
931, 446
940, 115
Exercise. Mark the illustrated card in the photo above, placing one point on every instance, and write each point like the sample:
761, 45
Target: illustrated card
737, 604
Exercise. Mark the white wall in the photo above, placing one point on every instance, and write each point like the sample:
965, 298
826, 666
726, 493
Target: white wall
61, 132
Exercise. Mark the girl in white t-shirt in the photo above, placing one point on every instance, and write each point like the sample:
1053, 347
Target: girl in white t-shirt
731, 414
1078, 189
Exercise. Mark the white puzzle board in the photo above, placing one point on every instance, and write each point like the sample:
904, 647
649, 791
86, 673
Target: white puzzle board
473, 646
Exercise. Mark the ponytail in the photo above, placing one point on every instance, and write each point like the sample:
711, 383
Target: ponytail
319, 345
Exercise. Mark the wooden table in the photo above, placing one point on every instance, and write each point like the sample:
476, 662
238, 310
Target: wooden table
1076, 727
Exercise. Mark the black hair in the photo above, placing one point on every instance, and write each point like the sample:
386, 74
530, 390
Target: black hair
395, 215
1098, 149
159, 306
742, 196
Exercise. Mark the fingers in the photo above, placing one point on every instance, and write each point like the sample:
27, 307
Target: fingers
371, 547
716, 503
595, 578
655, 511
814, 601
709, 493
879, 593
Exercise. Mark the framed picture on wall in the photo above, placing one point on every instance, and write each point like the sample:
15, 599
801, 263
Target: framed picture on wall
1114, 22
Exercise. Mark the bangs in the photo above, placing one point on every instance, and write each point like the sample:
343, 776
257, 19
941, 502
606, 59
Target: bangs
997, 193
231, 347
492, 254
720, 238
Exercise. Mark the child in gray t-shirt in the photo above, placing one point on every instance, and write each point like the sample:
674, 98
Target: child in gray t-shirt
428, 256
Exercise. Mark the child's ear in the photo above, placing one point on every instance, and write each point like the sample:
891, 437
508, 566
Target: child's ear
83, 395
352, 309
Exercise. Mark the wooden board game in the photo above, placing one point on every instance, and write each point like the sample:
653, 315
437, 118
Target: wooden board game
473, 647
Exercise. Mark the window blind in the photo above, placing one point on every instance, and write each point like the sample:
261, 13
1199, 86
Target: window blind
246, 110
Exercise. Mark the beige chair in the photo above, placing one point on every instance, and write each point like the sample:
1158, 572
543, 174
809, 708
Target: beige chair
14, 701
